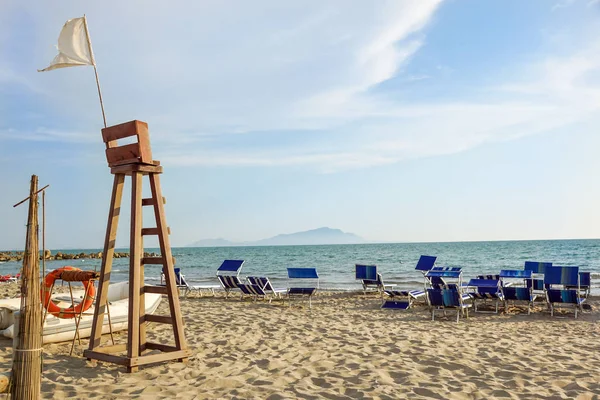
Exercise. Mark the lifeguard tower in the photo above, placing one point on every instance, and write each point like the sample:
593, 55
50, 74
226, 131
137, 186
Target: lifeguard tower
135, 160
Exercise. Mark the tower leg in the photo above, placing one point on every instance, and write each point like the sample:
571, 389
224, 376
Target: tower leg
165, 249
135, 258
107, 258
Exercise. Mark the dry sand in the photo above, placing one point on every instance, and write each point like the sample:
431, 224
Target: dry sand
345, 348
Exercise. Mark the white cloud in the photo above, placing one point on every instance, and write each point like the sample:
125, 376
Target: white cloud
207, 78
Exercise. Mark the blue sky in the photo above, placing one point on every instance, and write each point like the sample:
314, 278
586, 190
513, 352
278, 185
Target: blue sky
398, 121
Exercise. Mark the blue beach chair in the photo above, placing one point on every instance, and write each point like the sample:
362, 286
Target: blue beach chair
305, 277
408, 297
403, 299
585, 284
228, 275
444, 299
182, 284
523, 293
484, 290
370, 278
266, 285
537, 268
563, 277
254, 291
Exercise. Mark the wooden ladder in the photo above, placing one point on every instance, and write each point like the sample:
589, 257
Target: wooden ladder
135, 160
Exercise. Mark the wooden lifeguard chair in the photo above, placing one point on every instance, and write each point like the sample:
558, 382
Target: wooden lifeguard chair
135, 160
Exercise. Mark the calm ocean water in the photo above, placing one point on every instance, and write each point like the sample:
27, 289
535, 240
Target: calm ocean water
335, 263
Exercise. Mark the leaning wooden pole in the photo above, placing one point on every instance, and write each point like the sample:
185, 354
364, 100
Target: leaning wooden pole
27, 364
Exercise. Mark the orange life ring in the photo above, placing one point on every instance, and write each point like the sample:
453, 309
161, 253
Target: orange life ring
65, 312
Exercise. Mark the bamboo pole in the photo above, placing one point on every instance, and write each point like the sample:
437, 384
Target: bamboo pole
43, 234
27, 363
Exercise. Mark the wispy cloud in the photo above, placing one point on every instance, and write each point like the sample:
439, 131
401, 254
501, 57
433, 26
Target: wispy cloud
47, 135
562, 4
300, 88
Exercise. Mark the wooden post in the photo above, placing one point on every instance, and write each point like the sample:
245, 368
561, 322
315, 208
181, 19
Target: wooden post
27, 364
107, 257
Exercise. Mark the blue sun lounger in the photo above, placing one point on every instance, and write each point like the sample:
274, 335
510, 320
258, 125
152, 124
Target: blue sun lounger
370, 278
403, 299
305, 277
484, 290
537, 268
266, 285
523, 293
444, 299
585, 284
562, 297
228, 275
182, 284
255, 291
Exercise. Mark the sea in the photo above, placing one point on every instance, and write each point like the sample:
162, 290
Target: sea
335, 263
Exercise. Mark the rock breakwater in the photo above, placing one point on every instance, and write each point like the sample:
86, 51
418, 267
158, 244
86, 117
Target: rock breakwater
18, 255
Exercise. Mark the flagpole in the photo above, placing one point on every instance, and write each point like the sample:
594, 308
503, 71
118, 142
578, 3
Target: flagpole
89, 41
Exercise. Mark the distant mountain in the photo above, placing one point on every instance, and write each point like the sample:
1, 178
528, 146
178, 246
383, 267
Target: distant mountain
313, 236
213, 243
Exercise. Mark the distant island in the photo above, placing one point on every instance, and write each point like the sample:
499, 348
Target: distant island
314, 236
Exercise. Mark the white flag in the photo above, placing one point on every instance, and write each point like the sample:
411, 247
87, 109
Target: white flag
73, 46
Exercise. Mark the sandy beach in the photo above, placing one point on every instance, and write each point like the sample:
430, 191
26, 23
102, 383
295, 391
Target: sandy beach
344, 348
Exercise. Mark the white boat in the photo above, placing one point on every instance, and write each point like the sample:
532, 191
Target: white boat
60, 329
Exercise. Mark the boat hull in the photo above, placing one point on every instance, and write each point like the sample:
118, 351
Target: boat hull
60, 330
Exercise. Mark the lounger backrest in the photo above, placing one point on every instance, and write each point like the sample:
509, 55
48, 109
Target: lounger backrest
561, 276
451, 297
179, 279
248, 288
585, 279
261, 281
517, 293
305, 276
425, 263
230, 267
435, 297
569, 296
444, 297
366, 272
302, 273
245, 288
229, 282
538, 268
